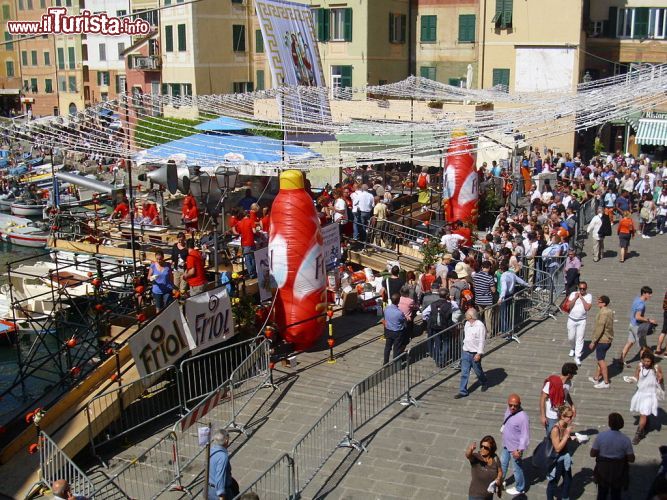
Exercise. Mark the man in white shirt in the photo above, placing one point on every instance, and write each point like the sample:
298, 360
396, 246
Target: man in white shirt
593, 230
579, 303
451, 241
474, 341
362, 207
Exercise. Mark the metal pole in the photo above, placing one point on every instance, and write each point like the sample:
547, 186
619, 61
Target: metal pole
208, 464
132, 233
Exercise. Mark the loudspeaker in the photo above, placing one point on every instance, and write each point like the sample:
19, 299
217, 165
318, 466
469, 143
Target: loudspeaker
174, 178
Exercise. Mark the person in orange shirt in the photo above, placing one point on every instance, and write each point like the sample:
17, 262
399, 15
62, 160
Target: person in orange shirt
122, 210
190, 213
626, 231
266, 219
464, 231
247, 229
195, 273
150, 212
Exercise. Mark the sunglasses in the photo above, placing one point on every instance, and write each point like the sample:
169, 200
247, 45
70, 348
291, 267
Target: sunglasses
582, 289
485, 447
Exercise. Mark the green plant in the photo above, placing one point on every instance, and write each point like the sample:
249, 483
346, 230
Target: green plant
244, 311
435, 104
431, 252
598, 146
152, 131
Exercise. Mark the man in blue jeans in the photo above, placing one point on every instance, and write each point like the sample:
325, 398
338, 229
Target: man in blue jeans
394, 329
474, 340
516, 438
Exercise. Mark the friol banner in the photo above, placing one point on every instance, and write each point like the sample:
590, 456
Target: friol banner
161, 342
291, 48
209, 318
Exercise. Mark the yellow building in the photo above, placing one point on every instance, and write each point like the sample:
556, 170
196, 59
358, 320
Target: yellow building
10, 69
447, 40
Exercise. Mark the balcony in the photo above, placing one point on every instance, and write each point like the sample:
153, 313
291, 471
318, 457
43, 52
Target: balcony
146, 63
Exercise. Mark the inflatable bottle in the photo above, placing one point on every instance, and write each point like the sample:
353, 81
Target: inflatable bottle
461, 190
296, 263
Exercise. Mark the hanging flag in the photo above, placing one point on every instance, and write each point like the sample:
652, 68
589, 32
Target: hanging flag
294, 59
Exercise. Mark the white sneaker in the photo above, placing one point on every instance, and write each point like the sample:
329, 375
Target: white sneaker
513, 491
601, 385
577, 361
571, 353
646, 237
593, 381
661, 232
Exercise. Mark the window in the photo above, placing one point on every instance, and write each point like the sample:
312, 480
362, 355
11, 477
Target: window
5, 11
121, 13
321, 22
121, 83
84, 52
68, 3
182, 45
71, 57
259, 42
103, 78
501, 76
167, 2
503, 17
429, 28
8, 37
427, 72
259, 79
33, 57
151, 16
397, 23
341, 78
104, 96
169, 38
456, 82
121, 49
341, 25
21, 7
242, 87
42, 4
62, 84
175, 89
24, 57
48, 86
61, 58
26, 85
103, 51
9, 67
29, 4
467, 28
47, 58
33, 85
238, 38
657, 19
72, 83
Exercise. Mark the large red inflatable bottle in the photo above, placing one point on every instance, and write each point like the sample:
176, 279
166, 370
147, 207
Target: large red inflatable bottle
461, 190
297, 263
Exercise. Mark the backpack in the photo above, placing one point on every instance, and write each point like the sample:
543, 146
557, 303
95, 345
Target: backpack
441, 316
422, 182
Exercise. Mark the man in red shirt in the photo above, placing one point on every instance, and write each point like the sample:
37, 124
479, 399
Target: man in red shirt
464, 231
247, 228
190, 213
122, 210
195, 274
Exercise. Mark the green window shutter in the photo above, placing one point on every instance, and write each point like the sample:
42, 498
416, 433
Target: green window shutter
99, 78
5, 11
61, 58
507, 13
182, 44
71, 57
47, 59
8, 37
467, 28
169, 38
9, 66
33, 57
323, 25
404, 26
259, 42
610, 31
429, 28
641, 23
427, 72
347, 25
497, 18
117, 84
501, 76
346, 76
164, 89
24, 58
391, 27
260, 79
48, 86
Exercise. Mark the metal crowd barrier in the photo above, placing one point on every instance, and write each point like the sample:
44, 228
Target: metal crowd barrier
277, 483
54, 464
146, 476
125, 409
203, 373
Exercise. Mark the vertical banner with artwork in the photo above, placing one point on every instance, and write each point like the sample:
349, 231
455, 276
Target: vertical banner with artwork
291, 49
331, 246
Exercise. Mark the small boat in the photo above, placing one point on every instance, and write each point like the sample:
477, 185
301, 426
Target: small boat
26, 208
7, 332
6, 201
26, 236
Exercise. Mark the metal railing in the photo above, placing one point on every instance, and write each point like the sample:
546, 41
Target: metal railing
54, 464
278, 482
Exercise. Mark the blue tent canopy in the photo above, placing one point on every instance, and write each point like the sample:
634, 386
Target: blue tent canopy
223, 124
214, 149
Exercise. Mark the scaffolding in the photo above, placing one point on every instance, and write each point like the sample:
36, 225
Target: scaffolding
71, 312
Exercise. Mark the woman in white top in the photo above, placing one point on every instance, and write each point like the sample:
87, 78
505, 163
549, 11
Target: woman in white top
662, 211
649, 387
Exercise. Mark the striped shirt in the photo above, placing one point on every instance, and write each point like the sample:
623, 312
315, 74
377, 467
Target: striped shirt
484, 284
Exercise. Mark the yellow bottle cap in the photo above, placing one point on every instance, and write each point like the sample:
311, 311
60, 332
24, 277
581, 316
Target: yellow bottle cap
291, 179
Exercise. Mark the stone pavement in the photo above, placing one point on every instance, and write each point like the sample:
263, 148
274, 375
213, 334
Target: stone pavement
417, 452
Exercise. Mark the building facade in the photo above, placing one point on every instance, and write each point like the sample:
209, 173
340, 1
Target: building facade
10, 68
447, 41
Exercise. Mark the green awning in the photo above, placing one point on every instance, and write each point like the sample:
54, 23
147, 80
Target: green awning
651, 131
378, 142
